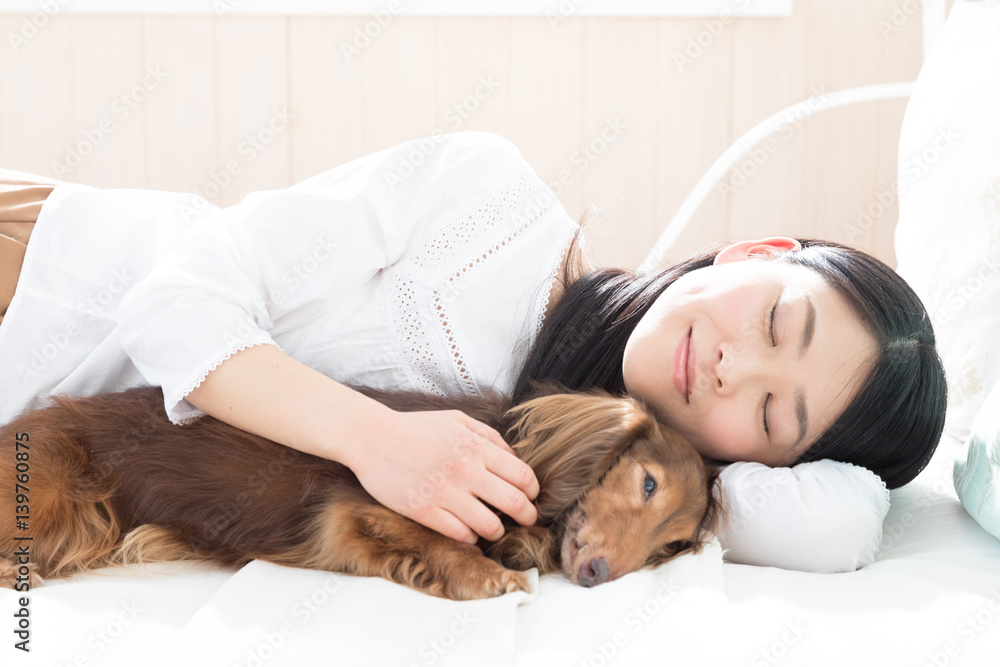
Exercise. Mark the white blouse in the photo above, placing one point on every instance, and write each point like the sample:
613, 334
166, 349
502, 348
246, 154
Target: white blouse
424, 266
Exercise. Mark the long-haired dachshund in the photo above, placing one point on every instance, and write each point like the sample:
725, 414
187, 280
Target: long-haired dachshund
108, 479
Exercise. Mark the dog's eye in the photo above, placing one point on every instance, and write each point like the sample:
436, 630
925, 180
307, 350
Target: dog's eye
648, 486
674, 547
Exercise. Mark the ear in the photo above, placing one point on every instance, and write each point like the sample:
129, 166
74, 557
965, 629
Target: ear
761, 248
715, 513
571, 440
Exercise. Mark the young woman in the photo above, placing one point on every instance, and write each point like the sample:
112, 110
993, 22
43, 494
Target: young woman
446, 265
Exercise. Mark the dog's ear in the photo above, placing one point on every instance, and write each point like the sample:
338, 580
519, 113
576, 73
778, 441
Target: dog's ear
715, 513
570, 440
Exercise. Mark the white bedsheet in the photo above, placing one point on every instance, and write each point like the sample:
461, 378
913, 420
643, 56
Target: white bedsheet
266, 614
931, 598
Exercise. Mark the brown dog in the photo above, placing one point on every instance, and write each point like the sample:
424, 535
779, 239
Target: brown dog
109, 480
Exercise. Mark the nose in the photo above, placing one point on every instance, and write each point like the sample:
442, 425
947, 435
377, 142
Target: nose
593, 572
739, 364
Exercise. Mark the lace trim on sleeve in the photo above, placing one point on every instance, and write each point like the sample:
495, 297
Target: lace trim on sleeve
258, 338
881, 482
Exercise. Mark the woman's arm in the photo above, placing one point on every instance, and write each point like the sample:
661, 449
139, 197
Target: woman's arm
430, 466
205, 323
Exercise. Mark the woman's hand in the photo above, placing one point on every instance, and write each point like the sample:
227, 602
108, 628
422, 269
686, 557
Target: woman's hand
433, 466
439, 467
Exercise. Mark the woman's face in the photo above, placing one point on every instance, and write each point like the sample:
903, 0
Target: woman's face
751, 359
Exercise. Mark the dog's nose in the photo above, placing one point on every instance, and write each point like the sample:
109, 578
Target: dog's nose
593, 572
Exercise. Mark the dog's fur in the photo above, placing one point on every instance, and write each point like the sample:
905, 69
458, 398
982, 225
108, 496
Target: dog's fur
112, 481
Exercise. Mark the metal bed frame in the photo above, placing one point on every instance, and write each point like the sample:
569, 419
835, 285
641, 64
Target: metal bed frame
934, 15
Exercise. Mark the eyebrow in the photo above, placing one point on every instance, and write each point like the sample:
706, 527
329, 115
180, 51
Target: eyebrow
801, 414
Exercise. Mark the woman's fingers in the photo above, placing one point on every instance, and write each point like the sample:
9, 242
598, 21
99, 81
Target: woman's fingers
477, 516
496, 490
448, 525
485, 479
440, 468
505, 463
464, 518
491, 434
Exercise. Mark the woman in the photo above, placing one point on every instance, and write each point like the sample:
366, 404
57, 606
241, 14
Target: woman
778, 361
433, 265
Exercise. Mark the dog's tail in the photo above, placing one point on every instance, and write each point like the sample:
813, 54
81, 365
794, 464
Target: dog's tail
55, 506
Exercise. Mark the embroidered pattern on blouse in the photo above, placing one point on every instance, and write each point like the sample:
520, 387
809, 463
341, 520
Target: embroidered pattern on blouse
553, 272
434, 360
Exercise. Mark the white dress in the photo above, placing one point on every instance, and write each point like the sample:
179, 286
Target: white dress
424, 266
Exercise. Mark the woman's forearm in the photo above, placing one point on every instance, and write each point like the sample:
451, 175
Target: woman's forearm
266, 392
434, 467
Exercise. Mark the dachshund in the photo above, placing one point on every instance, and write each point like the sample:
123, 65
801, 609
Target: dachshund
108, 479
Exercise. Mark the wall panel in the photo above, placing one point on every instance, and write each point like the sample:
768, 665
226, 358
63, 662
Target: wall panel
546, 112
183, 113
36, 89
695, 112
327, 84
256, 102
617, 168
110, 93
254, 107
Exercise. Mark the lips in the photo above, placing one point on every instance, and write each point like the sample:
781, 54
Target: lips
692, 376
684, 367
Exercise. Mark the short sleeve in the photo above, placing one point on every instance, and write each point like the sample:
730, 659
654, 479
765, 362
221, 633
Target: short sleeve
821, 516
277, 260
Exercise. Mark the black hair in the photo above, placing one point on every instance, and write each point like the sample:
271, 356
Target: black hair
892, 426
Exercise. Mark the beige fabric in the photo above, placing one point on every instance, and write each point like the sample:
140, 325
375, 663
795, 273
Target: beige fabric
21, 199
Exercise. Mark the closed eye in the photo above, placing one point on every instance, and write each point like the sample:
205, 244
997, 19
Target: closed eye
679, 545
668, 551
767, 399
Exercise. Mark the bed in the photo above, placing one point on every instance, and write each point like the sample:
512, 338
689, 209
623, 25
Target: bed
931, 597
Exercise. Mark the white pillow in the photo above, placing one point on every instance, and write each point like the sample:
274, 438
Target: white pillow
948, 236
821, 516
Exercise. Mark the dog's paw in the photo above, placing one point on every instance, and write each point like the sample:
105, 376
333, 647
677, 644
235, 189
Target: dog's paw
511, 581
10, 571
493, 581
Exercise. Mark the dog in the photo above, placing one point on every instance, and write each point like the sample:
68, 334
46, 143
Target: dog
108, 479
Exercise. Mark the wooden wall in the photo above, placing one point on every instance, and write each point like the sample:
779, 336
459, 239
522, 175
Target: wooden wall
224, 105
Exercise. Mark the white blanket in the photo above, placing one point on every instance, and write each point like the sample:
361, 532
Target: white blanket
931, 598
264, 614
